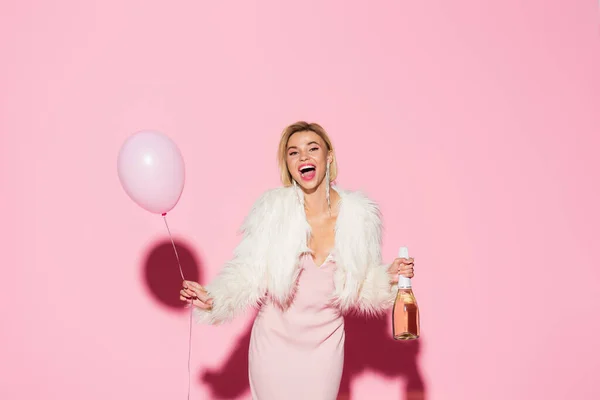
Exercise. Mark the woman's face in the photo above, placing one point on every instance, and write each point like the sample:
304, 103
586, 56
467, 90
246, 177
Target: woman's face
307, 157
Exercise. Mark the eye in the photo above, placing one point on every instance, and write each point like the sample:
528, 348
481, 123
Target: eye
293, 153
314, 149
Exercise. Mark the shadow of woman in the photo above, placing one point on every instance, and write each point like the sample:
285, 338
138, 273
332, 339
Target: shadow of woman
161, 271
231, 379
369, 346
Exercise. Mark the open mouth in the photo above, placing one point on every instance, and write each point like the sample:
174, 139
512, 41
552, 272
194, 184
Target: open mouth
307, 171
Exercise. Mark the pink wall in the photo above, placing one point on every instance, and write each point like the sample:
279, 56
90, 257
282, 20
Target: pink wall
474, 124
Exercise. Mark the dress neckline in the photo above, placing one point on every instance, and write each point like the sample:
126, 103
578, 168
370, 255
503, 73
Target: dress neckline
327, 259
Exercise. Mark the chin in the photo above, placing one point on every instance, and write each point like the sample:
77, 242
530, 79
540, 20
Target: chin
309, 185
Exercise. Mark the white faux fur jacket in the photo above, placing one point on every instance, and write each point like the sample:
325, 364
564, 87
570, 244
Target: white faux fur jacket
275, 235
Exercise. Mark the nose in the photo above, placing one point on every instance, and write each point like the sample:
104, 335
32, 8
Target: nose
303, 156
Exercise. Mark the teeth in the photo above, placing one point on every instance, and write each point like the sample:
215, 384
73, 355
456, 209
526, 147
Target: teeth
308, 167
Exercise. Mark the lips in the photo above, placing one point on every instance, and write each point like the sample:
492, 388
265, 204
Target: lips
307, 171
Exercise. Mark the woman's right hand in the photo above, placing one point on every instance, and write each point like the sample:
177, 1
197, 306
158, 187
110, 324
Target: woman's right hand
193, 293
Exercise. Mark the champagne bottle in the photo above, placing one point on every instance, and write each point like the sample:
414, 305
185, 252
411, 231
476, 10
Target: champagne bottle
405, 316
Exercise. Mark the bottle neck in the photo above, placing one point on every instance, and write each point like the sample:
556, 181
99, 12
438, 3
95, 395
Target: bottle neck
404, 283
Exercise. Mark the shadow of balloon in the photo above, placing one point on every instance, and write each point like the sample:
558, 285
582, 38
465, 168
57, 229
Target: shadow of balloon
161, 271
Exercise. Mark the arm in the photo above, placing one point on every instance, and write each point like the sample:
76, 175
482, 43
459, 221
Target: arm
241, 281
377, 292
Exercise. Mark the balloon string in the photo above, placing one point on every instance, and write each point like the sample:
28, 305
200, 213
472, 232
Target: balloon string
174, 248
191, 309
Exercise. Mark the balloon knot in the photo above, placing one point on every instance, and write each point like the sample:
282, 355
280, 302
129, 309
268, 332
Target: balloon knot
163, 214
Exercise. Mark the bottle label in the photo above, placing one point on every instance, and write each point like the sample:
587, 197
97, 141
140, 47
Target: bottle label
404, 283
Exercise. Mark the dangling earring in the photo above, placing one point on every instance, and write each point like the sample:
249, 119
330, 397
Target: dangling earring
327, 188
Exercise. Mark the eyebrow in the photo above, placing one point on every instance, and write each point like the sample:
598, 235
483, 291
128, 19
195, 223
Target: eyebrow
308, 144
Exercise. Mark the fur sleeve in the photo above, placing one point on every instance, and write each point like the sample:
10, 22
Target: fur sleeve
376, 293
241, 282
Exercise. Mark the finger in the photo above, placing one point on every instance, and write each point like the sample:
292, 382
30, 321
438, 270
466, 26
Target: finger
405, 269
190, 292
403, 261
204, 298
202, 305
407, 274
201, 295
195, 289
192, 285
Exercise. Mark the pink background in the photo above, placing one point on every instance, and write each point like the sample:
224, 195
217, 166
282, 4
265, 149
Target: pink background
474, 124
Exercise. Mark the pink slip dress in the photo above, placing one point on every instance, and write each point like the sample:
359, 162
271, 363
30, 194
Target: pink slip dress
298, 353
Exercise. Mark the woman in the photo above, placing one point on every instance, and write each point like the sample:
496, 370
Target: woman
310, 252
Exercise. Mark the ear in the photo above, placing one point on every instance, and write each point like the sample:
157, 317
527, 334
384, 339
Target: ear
330, 157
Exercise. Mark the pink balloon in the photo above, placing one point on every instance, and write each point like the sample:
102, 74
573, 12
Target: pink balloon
151, 171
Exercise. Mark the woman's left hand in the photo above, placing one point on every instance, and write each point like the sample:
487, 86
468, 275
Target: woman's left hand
401, 266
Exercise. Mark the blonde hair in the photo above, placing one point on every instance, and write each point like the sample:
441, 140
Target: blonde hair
302, 126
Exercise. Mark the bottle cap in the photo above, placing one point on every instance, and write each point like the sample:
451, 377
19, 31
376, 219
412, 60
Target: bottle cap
403, 282
403, 252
